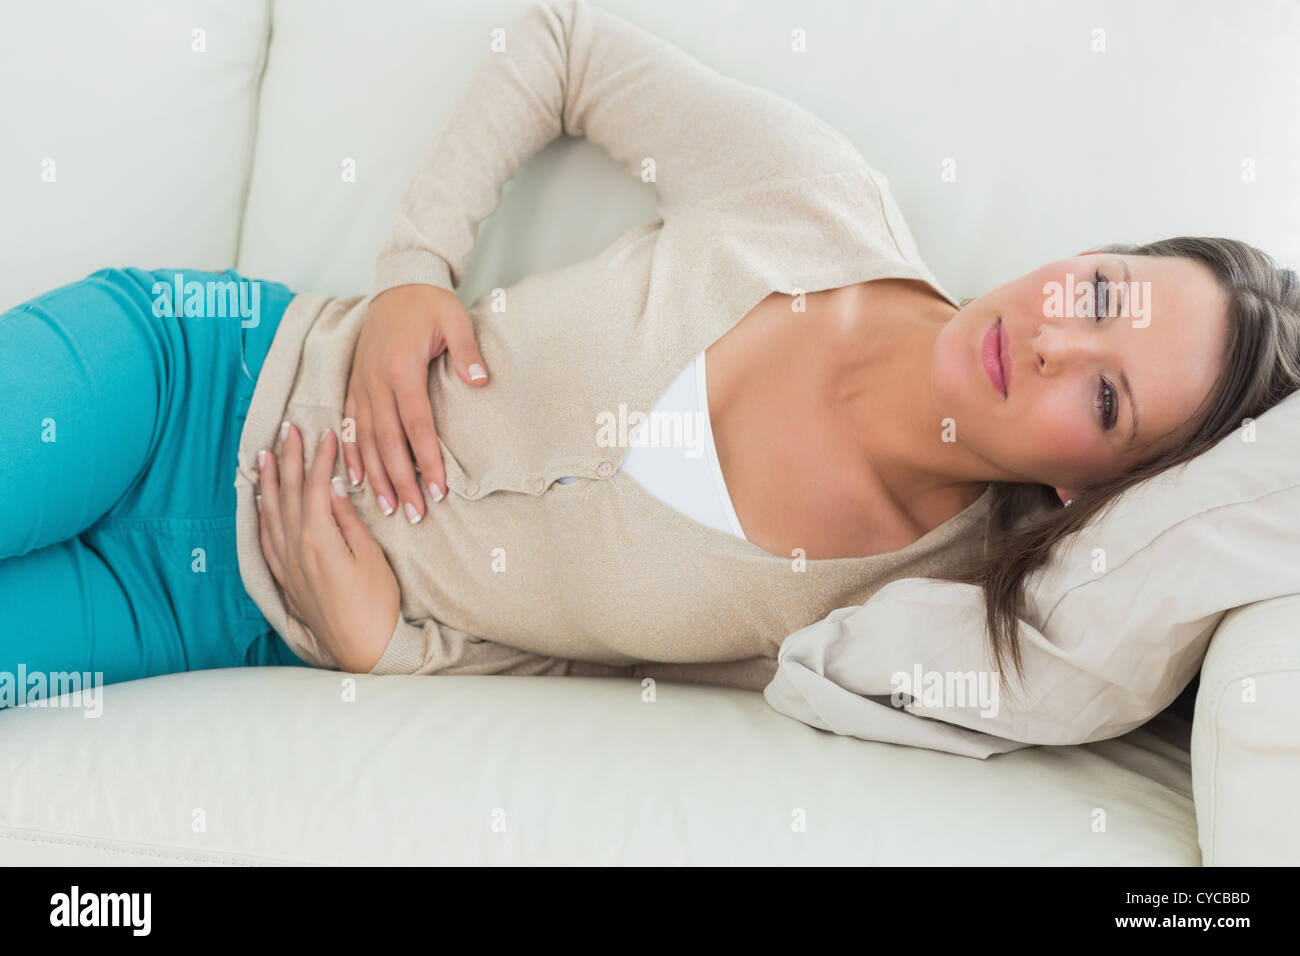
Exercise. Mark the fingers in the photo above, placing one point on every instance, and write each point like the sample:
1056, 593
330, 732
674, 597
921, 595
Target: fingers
290, 468
373, 467
298, 533
350, 525
417, 419
396, 455
271, 528
271, 519
274, 562
319, 529
351, 450
387, 401
270, 551
458, 333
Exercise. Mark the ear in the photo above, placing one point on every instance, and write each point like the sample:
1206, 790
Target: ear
1066, 495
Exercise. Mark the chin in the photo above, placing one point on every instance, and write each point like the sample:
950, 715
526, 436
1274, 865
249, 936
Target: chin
956, 374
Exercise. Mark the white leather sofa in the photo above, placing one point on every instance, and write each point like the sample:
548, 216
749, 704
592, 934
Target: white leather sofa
209, 134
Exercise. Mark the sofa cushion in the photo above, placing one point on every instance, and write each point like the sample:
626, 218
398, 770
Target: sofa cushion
336, 147
1246, 738
298, 765
128, 135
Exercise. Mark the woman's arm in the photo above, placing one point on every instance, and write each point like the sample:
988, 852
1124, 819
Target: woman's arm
338, 582
571, 68
433, 648
751, 673
565, 67
333, 573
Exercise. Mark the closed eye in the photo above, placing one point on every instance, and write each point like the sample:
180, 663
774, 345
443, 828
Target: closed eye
1107, 407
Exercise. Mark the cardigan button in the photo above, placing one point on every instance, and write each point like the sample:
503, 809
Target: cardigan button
604, 469
471, 489
536, 484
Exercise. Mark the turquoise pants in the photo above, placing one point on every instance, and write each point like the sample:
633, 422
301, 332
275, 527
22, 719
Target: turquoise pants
122, 397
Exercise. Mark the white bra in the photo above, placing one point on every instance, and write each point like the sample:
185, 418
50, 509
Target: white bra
673, 457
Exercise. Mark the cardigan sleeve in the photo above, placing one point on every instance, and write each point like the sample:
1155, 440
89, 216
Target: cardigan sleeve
433, 648
751, 673
570, 68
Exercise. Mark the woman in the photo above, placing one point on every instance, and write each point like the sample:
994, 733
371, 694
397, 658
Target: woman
425, 488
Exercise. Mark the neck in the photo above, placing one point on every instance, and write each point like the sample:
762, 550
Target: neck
893, 419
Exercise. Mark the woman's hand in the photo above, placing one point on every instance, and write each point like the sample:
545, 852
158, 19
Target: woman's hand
333, 572
407, 327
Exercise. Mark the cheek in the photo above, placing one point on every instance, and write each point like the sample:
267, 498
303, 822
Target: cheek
1062, 434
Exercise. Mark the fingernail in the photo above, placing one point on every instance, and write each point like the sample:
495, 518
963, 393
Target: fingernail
352, 474
337, 484
284, 430
476, 372
412, 515
261, 459
258, 500
384, 506
434, 492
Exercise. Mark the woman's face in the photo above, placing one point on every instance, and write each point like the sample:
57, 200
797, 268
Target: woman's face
1066, 418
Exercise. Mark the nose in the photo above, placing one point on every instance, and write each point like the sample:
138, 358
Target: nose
1058, 346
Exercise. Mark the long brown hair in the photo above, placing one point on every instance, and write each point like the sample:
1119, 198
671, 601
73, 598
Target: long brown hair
1261, 367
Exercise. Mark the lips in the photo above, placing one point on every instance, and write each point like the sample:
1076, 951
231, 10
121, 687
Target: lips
993, 353
1004, 357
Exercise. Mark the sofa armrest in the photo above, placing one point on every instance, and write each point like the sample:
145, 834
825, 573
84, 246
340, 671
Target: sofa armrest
1246, 738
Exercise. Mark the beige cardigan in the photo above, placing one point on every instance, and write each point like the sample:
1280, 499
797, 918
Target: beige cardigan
514, 573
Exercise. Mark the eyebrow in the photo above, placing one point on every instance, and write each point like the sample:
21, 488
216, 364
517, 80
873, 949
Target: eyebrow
1123, 379
1132, 408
